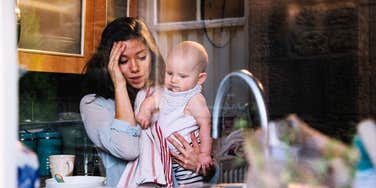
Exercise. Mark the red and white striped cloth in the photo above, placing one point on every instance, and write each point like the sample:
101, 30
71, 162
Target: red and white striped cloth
165, 154
153, 164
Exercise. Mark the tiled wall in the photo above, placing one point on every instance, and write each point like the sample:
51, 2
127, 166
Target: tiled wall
42, 96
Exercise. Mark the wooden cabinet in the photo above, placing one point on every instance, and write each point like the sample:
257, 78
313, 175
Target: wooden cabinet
95, 20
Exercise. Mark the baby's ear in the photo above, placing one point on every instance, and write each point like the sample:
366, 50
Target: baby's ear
201, 78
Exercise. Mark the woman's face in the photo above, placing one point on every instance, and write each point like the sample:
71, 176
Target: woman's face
135, 63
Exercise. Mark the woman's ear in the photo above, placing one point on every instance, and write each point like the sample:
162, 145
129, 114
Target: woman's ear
201, 78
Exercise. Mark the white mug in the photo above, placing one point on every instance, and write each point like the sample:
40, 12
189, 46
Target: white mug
61, 164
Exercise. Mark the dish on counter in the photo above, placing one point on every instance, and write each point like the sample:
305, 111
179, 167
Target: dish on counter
76, 182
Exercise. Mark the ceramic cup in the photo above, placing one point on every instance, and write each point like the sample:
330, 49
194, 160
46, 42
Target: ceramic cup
61, 164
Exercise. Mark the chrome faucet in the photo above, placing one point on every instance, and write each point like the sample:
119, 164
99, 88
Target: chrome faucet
256, 88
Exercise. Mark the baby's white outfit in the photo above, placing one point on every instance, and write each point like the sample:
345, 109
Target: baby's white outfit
172, 119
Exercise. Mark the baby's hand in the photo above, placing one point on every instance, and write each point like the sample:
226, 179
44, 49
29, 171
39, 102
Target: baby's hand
146, 110
205, 162
143, 118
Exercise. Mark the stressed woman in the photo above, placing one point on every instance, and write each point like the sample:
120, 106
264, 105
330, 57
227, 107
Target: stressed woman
127, 60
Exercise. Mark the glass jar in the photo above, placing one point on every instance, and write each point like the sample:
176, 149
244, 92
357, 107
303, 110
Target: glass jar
28, 139
49, 143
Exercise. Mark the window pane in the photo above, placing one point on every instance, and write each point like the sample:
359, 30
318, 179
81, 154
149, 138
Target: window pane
176, 10
115, 9
217, 9
42, 22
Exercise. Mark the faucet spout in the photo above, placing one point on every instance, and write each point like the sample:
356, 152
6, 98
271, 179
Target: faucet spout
257, 90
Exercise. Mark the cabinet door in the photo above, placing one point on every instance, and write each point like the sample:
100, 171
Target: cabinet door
54, 58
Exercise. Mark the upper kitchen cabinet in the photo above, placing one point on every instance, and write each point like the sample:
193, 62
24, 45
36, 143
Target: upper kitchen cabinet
60, 36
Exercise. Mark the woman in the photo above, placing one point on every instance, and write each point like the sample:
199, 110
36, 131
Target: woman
127, 60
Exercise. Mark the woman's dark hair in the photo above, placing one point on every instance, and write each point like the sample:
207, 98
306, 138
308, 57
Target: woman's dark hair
97, 79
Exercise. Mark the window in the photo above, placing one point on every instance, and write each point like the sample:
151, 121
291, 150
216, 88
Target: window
52, 27
191, 14
214, 9
176, 10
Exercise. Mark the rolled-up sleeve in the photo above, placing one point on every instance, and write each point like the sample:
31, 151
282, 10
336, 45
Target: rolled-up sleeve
109, 134
123, 126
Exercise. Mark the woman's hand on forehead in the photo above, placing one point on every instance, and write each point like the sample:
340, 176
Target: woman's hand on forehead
113, 64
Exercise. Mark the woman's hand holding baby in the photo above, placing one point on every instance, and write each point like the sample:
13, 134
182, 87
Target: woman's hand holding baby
189, 157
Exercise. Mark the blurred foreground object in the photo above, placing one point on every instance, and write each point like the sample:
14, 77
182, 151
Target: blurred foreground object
27, 160
364, 141
299, 155
27, 167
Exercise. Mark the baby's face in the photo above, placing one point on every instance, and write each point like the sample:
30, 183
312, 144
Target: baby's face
182, 73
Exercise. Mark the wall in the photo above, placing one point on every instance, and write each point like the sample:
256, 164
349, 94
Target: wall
315, 59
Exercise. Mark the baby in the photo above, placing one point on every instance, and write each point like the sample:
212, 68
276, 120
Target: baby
182, 107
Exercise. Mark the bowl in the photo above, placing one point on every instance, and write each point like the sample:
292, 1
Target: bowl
77, 182
69, 116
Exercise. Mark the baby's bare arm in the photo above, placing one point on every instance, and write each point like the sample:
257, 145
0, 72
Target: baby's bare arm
198, 108
147, 108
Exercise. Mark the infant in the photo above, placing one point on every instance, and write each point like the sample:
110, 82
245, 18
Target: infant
182, 107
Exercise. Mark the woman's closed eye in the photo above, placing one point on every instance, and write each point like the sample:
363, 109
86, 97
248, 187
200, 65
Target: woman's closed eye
123, 60
142, 58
